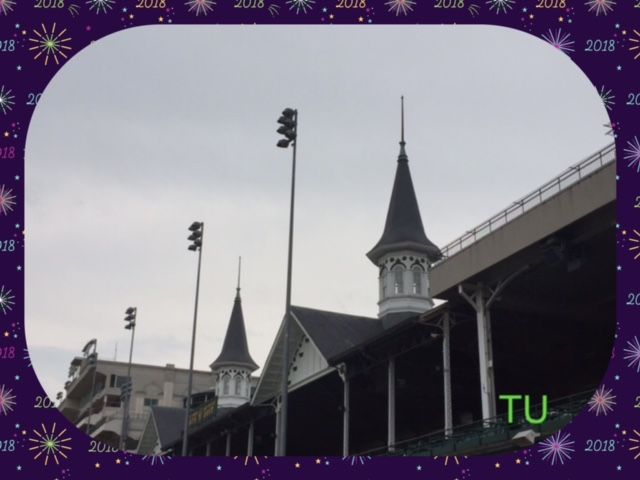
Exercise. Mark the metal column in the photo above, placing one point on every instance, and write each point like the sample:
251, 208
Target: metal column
276, 447
485, 349
227, 453
481, 299
342, 370
446, 367
392, 405
250, 439
207, 453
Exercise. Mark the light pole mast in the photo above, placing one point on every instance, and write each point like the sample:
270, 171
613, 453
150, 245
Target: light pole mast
197, 232
128, 386
289, 128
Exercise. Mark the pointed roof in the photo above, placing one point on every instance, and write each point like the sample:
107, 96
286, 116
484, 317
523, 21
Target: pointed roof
403, 228
235, 350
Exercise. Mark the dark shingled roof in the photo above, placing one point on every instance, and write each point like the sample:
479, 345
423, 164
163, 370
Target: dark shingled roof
334, 333
235, 350
169, 424
403, 229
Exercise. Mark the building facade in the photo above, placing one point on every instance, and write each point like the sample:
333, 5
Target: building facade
100, 414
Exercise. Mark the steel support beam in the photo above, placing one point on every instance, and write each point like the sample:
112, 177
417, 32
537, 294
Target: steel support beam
481, 298
342, 371
250, 439
392, 405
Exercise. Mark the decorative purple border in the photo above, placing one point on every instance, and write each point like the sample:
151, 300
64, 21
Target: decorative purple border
38, 37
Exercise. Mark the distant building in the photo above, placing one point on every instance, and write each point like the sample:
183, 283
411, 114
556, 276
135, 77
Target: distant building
102, 412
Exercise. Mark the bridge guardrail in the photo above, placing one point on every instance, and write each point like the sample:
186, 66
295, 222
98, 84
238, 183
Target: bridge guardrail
554, 186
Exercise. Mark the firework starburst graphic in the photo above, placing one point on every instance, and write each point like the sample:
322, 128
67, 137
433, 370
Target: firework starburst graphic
156, 458
6, 300
557, 448
636, 242
356, 459
7, 200
500, 5
633, 154
600, 6
200, 6
6, 6
100, 5
602, 402
273, 9
446, 460
300, 5
559, 40
27, 357
50, 444
50, 44
398, 6
246, 460
6, 100
473, 9
7, 400
636, 46
637, 444
607, 98
633, 354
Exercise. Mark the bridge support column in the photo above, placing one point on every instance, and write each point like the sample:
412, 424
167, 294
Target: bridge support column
391, 425
481, 297
342, 370
250, 439
444, 323
277, 437
487, 382
446, 367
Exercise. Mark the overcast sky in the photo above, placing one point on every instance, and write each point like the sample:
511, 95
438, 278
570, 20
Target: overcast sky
148, 130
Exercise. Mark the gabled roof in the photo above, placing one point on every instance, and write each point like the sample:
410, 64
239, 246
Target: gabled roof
330, 333
403, 229
235, 350
169, 423
334, 333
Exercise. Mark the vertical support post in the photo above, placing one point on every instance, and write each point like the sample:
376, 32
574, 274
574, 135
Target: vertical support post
227, 453
207, 453
250, 439
446, 366
345, 415
485, 350
276, 447
392, 405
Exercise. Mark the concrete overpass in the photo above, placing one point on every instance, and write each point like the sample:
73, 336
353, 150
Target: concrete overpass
539, 280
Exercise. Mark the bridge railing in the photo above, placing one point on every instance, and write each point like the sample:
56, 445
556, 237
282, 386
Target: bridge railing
567, 178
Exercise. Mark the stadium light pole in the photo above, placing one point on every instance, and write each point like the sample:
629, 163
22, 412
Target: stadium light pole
289, 128
197, 232
127, 388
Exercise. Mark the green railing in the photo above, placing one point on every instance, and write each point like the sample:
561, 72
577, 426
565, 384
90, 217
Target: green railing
491, 432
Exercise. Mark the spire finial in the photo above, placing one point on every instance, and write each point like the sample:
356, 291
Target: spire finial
402, 119
239, 269
403, 154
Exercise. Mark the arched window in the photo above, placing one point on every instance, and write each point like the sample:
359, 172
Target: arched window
225, 384
383, 282
398, 281
417, 281
238, 385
